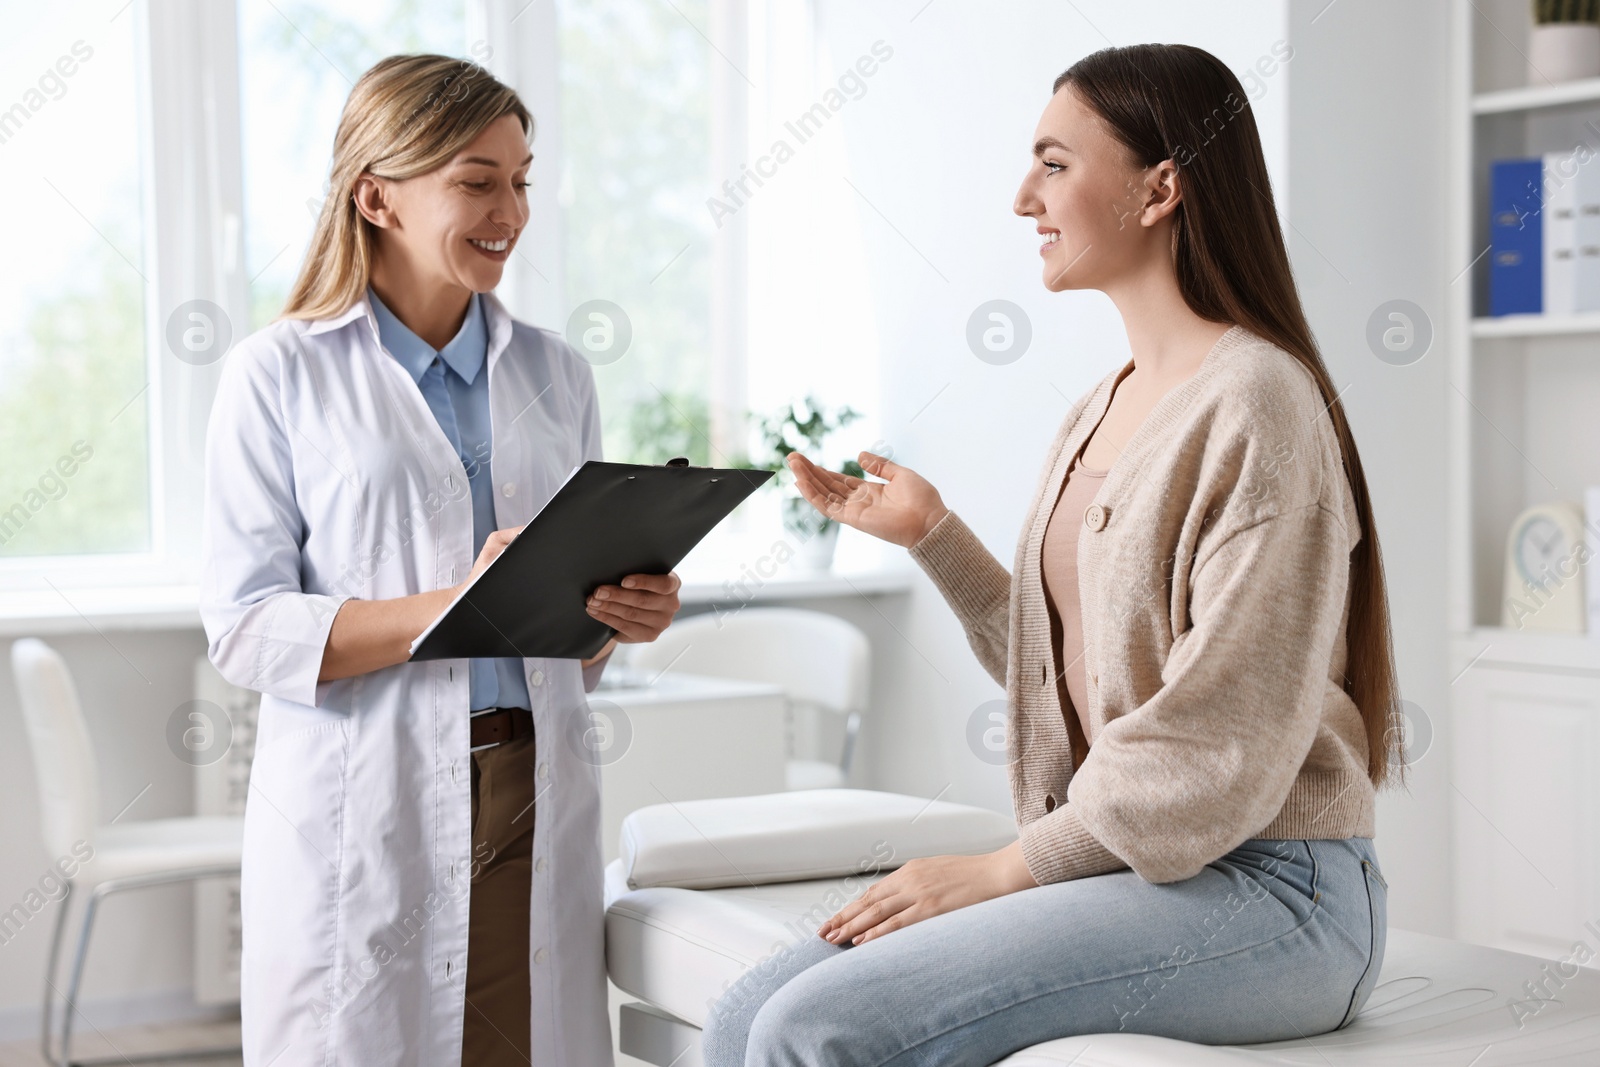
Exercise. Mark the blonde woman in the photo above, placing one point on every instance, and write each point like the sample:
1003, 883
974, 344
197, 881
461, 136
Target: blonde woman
422, 878
1194, 640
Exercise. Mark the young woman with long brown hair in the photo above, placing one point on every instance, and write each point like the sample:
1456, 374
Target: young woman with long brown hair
1194, 641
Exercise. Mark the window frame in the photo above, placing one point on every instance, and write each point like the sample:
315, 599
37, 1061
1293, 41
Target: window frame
191, 211
530, 63
188, 88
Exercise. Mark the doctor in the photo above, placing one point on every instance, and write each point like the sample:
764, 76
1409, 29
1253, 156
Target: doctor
422, 875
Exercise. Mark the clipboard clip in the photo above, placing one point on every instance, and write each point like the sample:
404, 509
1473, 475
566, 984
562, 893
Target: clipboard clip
683, 462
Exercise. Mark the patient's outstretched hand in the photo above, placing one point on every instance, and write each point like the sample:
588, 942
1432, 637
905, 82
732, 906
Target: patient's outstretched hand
901, 509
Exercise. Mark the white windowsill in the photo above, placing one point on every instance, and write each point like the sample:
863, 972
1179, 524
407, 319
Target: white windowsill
174, 607
33, 612
703, 590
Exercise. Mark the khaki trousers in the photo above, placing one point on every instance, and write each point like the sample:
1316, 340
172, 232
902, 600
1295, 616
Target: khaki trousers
496, 1019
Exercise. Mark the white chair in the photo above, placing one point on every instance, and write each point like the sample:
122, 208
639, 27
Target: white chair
132, 855
819, 660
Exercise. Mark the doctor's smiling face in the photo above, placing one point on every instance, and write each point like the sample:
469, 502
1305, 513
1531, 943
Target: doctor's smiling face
453, 228
1102, 218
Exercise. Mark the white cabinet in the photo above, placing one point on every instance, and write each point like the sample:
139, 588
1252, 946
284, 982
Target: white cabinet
684, 737
1526, 774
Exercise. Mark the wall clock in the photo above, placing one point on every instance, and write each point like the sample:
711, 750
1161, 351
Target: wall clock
1544, 585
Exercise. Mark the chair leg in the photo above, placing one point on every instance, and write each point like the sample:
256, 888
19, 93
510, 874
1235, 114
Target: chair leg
50, 967
105, 889
76, 982
852, 727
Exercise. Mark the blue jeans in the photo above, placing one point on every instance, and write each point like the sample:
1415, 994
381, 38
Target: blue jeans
1278, 939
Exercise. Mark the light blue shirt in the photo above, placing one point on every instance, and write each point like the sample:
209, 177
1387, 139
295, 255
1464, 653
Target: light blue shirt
455, 383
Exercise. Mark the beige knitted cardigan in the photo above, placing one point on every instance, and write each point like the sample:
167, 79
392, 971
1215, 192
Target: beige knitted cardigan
1213, 567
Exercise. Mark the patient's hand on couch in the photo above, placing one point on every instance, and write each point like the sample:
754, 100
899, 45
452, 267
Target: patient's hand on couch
923, 888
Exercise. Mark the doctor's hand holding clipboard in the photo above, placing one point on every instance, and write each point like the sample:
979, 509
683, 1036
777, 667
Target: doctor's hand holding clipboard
639, 609
370, 635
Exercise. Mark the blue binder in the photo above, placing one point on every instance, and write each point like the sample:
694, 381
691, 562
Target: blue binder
1516, 249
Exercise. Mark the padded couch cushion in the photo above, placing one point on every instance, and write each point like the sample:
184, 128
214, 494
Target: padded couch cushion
680, 948
798, 836
1437, 1003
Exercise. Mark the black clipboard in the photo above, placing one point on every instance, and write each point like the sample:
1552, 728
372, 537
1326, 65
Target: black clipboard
609, 520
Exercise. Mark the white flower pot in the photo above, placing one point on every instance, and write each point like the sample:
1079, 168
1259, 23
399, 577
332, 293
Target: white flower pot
811, 535
1563, 51
815, 553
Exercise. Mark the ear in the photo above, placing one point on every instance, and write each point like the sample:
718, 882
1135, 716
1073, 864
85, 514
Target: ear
1163, 192
373, 199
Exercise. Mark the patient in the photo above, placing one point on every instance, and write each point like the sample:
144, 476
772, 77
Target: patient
1194, 643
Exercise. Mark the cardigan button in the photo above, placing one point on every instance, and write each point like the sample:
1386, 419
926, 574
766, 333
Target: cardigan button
1049, 803
1094, 517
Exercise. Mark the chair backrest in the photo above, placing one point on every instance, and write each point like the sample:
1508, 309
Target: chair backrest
63, 754
814, 657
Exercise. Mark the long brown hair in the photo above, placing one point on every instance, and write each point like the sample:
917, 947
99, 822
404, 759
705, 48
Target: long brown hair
406, 116
1173, 101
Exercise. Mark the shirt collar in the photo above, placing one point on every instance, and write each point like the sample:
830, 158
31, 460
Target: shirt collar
464, 353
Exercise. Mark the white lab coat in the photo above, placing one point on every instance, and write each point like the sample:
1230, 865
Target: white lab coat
327, 477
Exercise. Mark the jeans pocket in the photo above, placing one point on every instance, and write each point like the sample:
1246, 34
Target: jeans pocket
1377, 910
1372, 869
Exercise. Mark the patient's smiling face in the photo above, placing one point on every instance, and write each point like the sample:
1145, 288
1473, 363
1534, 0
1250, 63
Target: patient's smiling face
1089, 197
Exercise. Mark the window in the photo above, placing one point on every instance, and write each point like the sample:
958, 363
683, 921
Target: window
74, 407
635, 117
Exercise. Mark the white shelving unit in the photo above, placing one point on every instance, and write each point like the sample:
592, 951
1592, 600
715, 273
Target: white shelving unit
1525, 429
1587, 324
1532, 97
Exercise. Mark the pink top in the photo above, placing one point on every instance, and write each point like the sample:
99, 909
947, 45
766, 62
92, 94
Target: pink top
1059, 562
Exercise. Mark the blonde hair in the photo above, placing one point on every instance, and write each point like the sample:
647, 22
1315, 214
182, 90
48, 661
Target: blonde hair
408, 115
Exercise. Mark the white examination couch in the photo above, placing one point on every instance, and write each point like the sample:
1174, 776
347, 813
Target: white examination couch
684, 920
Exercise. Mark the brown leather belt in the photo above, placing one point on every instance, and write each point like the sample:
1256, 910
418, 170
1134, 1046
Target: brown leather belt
499, 725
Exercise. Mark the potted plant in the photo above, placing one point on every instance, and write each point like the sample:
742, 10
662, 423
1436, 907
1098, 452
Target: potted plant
804, 426
1565, 41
